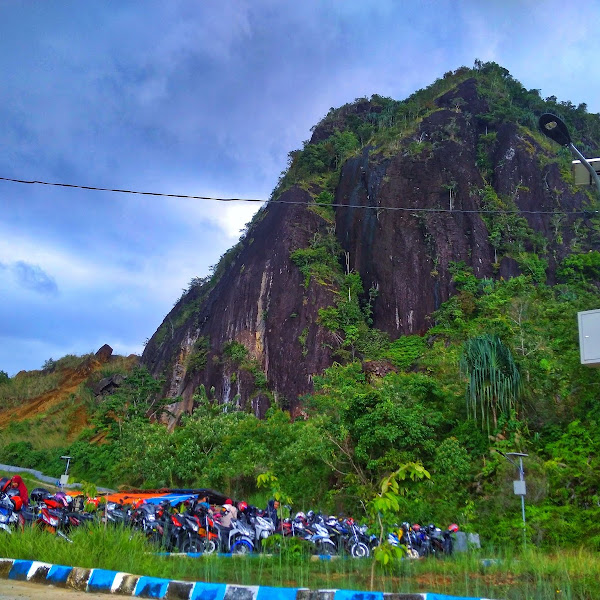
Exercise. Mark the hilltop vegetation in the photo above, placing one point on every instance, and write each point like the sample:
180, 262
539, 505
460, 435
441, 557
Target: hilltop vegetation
387, 124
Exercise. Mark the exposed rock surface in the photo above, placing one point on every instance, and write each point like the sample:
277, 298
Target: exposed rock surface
108, 385
104, 353
260, 300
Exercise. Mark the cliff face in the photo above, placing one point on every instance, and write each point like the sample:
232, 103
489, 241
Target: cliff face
405, 255
262, 302
259, 302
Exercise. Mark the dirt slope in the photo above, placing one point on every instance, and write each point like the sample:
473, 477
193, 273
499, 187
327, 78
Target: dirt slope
70, 380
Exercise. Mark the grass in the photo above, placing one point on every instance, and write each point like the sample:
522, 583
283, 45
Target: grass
532, 575
117, 365
50, 429
27, 385
31, 384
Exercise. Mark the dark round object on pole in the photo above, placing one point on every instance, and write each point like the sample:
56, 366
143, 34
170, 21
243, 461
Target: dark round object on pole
554, 128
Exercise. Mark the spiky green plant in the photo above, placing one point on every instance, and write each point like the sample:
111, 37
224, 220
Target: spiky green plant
493, 379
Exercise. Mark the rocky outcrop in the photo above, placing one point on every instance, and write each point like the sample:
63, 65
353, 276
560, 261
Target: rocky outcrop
406, 215
259, 302
104, 353
108, 385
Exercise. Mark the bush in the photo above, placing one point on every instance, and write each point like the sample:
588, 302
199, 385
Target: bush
236, 351
197, 359
404, 351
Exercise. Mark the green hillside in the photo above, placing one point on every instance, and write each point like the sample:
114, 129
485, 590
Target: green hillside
498, 370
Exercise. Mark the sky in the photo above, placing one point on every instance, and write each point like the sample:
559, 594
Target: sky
204, 98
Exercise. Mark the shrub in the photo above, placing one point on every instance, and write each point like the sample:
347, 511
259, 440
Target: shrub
404, 351
235, 351
196, 361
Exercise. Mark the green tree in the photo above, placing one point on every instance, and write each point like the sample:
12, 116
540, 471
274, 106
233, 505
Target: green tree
493, 380
384, 506
344, 143
135, 400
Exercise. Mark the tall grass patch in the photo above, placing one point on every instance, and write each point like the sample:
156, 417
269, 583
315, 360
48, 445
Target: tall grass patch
503, 574
25, 386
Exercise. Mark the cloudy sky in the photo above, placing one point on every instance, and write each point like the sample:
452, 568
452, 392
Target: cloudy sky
204, 98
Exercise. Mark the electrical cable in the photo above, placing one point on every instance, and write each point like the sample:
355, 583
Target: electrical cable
279, 201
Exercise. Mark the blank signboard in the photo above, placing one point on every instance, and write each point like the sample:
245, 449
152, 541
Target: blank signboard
589, 337
581, 174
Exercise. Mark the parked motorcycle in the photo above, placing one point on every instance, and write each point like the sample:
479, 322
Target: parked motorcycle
357, 541
236, 539
181, 531
261, 527
9, 515
115, 514
144, 520
315, 533
207, 530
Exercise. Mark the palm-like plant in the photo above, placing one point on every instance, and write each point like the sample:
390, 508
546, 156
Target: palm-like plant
494, 382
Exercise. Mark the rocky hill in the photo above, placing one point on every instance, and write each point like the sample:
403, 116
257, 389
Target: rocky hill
364, 231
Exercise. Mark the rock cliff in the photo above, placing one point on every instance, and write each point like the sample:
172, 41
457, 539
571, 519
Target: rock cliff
456, 185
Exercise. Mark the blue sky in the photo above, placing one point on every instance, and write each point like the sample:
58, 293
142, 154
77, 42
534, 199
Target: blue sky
204, 98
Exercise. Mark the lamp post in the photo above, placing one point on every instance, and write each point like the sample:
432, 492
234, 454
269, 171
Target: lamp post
519, 486
64, 479
555, 129
589, 320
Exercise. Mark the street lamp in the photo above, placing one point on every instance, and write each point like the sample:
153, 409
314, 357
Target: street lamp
555, 129
64, 479
519, 486
589, 320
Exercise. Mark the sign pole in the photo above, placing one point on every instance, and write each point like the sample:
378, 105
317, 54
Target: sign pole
522, 478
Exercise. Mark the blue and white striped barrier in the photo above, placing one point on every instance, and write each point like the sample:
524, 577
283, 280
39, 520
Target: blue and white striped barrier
101, 580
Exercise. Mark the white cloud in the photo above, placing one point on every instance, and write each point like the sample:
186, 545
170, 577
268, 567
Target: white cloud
231, 217
75, 273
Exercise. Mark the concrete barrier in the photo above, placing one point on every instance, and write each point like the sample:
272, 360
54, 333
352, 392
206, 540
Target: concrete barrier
51, 480
115, 582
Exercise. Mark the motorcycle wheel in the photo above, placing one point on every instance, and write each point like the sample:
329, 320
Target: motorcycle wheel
209, 546
359, 550
192, 544
241, 547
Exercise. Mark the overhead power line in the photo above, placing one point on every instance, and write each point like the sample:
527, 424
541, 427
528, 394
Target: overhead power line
280, 201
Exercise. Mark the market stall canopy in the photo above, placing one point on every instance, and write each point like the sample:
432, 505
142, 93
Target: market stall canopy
174, 496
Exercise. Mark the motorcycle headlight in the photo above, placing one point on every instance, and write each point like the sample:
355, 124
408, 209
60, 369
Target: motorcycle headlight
4, 518
194, 526
53, 521
151, 518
